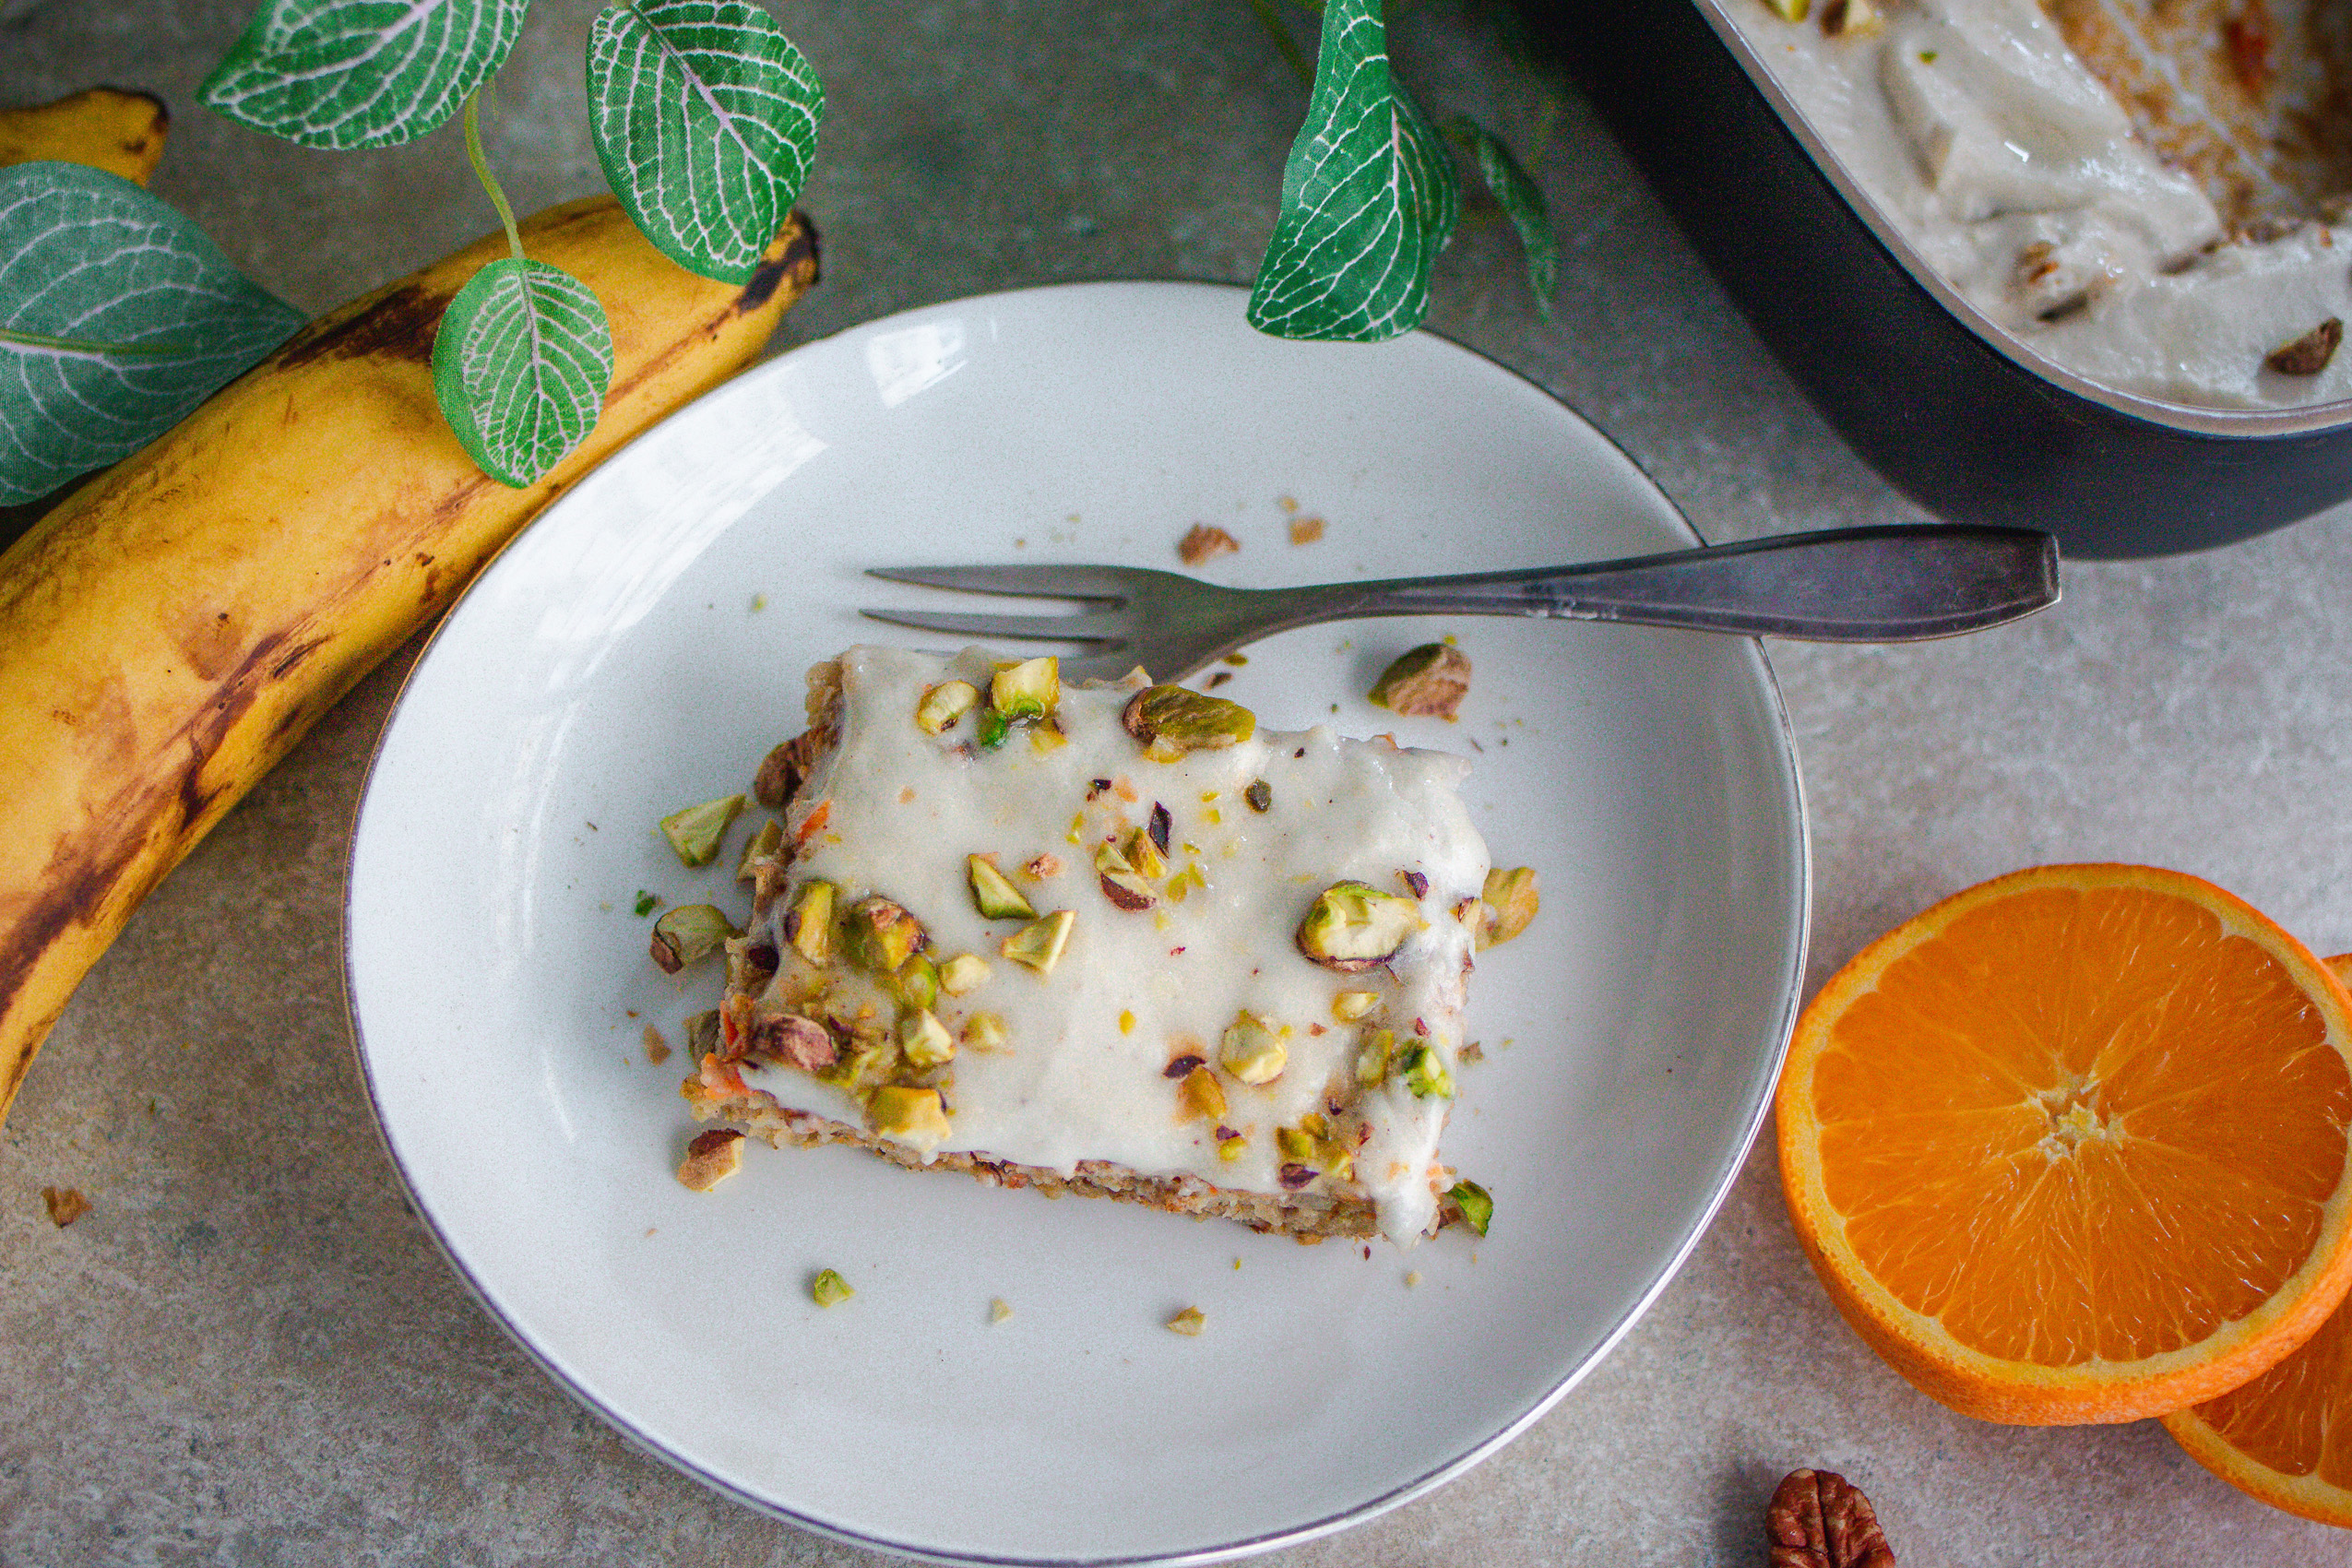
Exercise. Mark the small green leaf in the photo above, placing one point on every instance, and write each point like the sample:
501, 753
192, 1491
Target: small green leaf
1522, 202
705, 118
519, 367
344, 74
117, 315
1369, 198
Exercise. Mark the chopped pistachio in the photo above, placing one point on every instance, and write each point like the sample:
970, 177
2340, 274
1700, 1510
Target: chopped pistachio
1353, 926
702, 1034
991, 729
1230, 1145
828, 1288
1789, 10
1295, 1143
945, 704
999, 1309
1260, 794
917, 1118
1514, 898
1335, 1159
1038, 944
984, 1032
993, 893
1173, 720
1201, 1095
695, 832
1027, 691
1373, 1057
688, 932
1252, 1050
1424, 1072
1848, 19
1476, 1208
1428, 683
924, 1041
916, 982
879, 935
760, 846
1187, 1323
1350, 1006
965, 972
1145, 857
807, 925
1119, 884
647, 903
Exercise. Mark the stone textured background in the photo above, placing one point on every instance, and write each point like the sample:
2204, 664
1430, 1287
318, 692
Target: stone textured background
249, 1353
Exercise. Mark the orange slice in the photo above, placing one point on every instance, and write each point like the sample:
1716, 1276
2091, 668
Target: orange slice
2070, 1145
2286, 1437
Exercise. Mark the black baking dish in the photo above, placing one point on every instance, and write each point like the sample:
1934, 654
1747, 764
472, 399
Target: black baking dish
1940, 400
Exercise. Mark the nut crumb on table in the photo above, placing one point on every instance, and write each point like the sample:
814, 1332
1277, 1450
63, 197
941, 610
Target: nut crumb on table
1202, 542
65, 1205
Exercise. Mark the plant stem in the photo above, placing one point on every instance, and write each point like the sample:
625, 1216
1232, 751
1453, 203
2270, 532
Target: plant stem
482, 170
97, 350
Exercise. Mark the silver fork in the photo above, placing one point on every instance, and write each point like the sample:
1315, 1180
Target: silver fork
1899, 583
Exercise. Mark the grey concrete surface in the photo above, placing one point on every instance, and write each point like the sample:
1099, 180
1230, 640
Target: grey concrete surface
248, 1353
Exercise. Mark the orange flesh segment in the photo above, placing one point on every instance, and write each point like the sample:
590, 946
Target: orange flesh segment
2094, 1161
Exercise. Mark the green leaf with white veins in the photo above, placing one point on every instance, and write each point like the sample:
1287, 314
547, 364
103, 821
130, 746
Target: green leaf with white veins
1369, 198
117, 315
705, 118
343, 74
1521, 200
519, 367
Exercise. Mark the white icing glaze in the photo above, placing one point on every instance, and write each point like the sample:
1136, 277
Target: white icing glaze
1979, 134
1083, 1077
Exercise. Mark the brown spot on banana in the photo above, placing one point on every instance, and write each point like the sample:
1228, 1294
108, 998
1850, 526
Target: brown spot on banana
363, 518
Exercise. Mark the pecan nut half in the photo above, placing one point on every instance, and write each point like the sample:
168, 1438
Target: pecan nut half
1817, 1519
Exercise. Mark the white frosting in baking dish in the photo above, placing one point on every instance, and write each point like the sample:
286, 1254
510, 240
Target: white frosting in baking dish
1991, 148
1083, 1075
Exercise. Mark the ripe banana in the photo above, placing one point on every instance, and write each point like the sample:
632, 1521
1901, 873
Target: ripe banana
102, 126
172, 629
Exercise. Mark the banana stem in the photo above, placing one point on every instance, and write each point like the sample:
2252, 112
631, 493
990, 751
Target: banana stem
482, 170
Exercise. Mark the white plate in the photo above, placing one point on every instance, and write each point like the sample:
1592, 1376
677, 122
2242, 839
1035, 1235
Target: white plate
612, 666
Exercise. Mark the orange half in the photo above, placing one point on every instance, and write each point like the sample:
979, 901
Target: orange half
2072, 1144
2287, 1436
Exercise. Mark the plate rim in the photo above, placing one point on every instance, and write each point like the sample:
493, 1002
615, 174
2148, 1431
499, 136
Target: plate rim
1722, 1180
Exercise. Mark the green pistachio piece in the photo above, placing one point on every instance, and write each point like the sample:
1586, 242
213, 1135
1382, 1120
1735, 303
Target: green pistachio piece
1187, 1323
807, 925
1028, 691
1038, 944
1429, 682
964, 972
985, 1032
1424, 1072
879, 935
993, 893
1173, 720
1252, 1050
828, 1288
760, 846
1350, 1006
917, 1118
1201, 1097
1513, 898
1144, 856
1296, 1144
991, 729
1119, 881
695, 832
1472, 1201
702, 1034
1372, 1057
945, 704
924, 1041
1353, 926
916, 982
688, 932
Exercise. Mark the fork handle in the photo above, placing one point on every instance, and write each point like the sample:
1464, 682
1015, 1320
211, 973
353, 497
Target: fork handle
1889, 583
